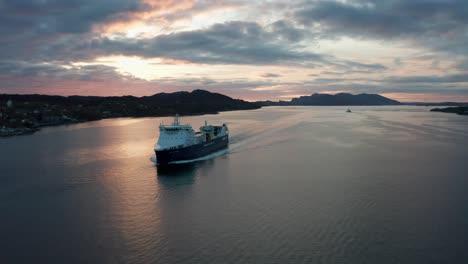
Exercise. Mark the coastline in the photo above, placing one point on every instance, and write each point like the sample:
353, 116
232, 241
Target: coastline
10, 132
20, 131
27, 114
459, 110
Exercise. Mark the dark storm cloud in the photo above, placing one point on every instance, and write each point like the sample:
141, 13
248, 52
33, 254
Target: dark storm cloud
33, 29
50, 70
234, 42
227, 43
46, 30
288, 31
62, 16
386, 19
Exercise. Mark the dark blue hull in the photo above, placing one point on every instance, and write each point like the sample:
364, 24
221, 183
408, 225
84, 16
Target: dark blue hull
192, 152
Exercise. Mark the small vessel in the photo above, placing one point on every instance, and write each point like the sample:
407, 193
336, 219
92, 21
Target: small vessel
181, 143
348, 111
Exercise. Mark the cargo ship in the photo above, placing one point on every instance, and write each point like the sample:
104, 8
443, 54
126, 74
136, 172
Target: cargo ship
178, 142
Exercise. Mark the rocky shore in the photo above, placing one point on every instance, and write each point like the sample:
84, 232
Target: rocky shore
6, 132
460, 110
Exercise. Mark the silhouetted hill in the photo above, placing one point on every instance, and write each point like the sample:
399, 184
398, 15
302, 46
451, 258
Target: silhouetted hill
337, 99
195, 102
34, 110
199, 101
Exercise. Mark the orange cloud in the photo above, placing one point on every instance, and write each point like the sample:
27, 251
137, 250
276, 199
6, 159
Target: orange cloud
161, 16
138, 19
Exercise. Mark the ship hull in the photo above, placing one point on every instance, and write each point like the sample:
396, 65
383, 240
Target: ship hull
192, 152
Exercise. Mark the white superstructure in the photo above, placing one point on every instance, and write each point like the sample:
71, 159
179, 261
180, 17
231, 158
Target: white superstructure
176, 136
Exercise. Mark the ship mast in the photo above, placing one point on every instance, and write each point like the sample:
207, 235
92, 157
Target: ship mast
176, 120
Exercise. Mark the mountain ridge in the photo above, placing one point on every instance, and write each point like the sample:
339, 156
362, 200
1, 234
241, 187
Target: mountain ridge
335, 100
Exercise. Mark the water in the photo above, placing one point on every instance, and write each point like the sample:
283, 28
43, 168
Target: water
297, 185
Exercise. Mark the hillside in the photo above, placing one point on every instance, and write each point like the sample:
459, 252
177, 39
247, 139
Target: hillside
29, 112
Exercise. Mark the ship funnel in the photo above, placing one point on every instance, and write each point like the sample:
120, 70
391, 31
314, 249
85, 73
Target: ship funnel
206, 123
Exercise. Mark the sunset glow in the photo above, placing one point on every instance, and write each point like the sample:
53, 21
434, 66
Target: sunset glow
406, 50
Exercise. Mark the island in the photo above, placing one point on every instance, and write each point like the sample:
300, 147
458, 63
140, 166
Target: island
335, 100
460, 110
26, 114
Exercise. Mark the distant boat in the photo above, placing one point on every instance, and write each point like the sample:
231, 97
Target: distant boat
181, 143
348, 111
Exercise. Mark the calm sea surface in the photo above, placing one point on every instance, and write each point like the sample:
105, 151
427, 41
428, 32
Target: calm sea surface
297, 185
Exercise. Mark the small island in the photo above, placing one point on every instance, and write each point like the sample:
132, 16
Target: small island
459, 110
26, 114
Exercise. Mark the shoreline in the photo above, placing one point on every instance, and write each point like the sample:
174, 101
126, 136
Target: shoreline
27, 114
459, 110
22, 131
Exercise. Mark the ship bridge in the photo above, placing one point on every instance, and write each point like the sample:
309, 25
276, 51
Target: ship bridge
174, 135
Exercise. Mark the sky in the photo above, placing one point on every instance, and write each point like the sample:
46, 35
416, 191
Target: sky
254, 50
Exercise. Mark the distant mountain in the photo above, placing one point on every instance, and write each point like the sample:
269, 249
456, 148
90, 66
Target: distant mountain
337, 99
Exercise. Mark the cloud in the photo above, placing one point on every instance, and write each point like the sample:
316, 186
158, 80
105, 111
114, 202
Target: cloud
60, 31
30, 29
42, 40
437, 24
462, 65
386, 19
63, 16
20, 69
452, 78
270, 75
288, 31
235, 42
